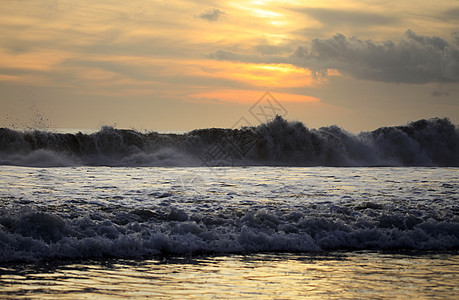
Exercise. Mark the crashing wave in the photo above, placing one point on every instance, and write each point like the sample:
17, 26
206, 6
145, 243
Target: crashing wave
433, 142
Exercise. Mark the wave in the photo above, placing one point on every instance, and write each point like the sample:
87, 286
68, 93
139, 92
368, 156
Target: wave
433, 142
31, 234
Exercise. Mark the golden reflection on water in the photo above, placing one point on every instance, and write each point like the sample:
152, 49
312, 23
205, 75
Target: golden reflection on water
263, 276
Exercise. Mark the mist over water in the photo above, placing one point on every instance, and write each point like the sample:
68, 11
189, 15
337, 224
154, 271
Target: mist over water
433, 142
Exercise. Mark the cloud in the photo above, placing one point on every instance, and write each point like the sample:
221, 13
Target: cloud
244, 96
438, 93
211, 15
267, 49
456, 38
441, 91
247, 58
333, 17
450, 14
415, 59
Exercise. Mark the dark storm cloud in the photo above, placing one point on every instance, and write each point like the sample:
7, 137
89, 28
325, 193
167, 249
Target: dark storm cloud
333, 17
414, 59
211, 15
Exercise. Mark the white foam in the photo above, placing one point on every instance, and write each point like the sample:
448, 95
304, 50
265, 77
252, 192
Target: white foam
135, 212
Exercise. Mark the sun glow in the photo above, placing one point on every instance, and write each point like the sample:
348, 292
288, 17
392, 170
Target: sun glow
263, 13
260, 75
259, 9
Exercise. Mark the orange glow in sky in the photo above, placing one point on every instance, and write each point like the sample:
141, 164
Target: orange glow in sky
177, 56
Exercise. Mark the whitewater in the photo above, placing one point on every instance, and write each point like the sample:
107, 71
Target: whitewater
231, 212
139, 212
433, 142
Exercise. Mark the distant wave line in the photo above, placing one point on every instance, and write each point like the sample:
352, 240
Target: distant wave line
433, 142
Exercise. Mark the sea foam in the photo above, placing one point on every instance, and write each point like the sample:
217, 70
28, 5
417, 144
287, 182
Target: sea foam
83, 212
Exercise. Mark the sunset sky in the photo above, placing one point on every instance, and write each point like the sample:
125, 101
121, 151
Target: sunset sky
181, 65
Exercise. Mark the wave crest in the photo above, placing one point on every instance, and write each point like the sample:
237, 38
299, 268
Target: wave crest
433, 142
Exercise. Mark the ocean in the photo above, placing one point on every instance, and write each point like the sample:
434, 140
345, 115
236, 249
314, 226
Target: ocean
275, 212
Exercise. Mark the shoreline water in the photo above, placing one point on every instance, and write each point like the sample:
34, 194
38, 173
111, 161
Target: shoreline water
344, 275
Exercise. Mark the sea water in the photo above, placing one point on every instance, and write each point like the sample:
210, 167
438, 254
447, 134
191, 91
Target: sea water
229, 232
342, 275
273, 211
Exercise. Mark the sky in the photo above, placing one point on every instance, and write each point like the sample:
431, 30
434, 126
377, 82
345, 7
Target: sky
180, 65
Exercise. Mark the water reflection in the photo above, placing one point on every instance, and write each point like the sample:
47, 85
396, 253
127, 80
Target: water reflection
281, 276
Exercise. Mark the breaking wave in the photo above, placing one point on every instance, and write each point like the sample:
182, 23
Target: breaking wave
433, 142
27, 234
